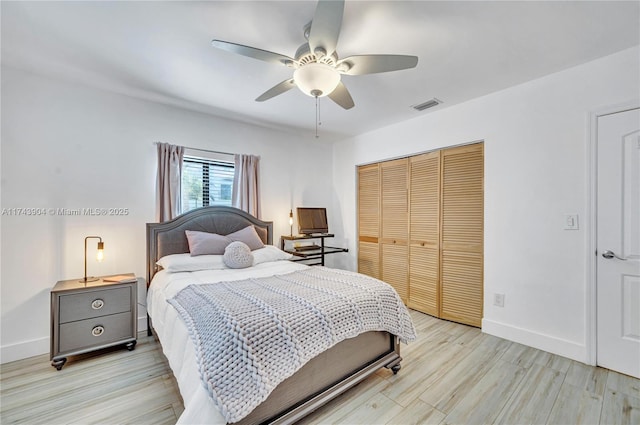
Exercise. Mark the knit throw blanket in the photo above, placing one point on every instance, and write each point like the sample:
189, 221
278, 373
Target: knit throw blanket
252, 334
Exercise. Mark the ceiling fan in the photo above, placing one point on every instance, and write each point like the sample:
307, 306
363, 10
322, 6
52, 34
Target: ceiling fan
317, 68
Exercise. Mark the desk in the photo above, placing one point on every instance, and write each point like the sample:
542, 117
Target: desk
311, 254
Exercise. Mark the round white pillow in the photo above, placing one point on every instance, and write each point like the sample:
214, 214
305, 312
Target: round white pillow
237, 255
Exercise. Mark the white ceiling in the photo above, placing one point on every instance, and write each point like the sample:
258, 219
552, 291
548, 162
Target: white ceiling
161, 51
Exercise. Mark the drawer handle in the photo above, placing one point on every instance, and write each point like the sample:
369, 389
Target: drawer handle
97, 304
97, 330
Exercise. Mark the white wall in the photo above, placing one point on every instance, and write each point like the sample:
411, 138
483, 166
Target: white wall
536, 139
69, 146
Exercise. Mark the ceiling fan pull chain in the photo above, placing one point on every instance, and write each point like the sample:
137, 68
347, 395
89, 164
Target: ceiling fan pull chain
317, 115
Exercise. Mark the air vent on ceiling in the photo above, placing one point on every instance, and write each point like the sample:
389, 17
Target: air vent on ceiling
426, 105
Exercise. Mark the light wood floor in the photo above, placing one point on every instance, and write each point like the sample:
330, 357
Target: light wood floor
115, 387
452, 374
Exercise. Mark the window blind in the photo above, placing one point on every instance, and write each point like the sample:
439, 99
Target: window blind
205, 182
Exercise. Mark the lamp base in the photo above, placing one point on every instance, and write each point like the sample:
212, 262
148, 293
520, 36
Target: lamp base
89, 279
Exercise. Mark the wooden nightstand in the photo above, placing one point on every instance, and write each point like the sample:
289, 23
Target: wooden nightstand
91, 316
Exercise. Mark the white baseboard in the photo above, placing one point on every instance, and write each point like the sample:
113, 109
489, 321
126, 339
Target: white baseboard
142, 323
537, 340
23, 350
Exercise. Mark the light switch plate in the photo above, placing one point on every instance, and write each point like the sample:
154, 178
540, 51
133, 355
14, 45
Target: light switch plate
571, 222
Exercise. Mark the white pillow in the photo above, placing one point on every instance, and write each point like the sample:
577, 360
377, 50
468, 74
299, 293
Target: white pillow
269, 253
237, 255
187, 263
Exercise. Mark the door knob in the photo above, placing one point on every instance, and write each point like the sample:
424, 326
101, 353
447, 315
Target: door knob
610, 254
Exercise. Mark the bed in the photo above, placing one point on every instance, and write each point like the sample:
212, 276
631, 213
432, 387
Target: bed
322, 378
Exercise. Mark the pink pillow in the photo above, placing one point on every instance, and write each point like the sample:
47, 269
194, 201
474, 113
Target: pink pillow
203, 243
249, 236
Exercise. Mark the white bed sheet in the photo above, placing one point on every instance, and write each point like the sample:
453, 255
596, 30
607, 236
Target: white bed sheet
175, 339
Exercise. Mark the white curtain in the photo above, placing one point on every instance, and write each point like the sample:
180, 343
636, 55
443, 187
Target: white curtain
168, 200
246, 192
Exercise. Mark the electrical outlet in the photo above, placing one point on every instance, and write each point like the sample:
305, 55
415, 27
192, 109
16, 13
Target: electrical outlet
498, 300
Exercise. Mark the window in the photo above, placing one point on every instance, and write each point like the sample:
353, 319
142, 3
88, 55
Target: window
205, 182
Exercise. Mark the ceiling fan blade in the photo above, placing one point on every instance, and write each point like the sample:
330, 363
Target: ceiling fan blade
341, 96
325, 26
372, 64
276, 90
253, 52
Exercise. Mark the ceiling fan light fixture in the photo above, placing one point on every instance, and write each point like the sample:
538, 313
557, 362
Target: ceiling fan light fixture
316, 79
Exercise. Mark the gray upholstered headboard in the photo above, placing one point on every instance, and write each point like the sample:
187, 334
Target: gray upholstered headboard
169, 237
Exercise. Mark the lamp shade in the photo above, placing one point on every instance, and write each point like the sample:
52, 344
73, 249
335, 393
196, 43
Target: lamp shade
316, 79
100, 253
291, 221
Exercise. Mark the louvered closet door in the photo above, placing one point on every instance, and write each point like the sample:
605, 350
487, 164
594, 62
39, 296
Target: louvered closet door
394, 225
424, 231
369, 220
462, 234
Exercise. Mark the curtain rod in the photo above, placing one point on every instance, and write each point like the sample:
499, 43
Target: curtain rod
203, 150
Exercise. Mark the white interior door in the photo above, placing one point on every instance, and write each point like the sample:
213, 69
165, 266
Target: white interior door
618, 242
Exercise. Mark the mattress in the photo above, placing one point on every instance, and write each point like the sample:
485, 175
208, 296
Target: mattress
175, 339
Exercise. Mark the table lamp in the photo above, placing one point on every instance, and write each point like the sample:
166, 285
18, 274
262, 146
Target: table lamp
291, 222
99, 257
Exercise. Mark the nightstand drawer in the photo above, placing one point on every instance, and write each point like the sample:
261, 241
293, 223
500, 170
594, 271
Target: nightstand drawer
95, 332
88, 304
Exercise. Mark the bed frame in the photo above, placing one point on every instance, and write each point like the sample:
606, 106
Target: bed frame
322, 378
